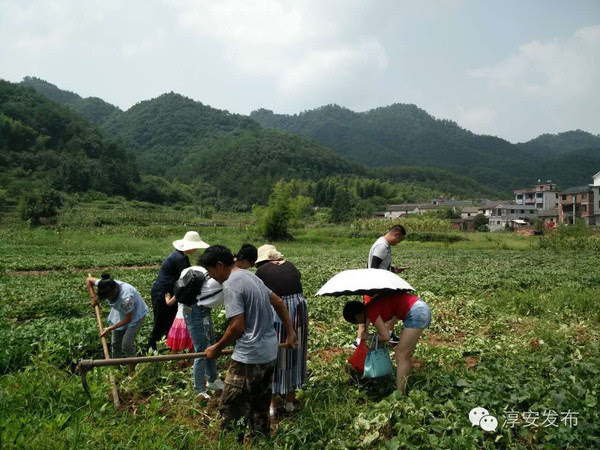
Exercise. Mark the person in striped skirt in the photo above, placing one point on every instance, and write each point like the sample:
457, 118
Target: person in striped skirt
284, 279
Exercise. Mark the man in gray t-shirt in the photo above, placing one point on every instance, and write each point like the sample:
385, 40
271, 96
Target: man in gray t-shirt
249, 306
380, 257
246, 294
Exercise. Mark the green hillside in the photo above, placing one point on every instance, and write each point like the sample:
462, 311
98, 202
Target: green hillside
551, 145
47, 145
177, 137
402, 134
174, 120
576, 167
231, 161
95, 109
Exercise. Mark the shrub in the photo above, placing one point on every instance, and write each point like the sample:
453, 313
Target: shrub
273, 221
434, 237
412, 223
574, 237
341, 207
480, 221
38, 204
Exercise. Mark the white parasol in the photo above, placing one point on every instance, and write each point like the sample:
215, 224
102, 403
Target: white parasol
364, 281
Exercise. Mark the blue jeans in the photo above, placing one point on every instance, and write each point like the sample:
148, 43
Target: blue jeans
200, 326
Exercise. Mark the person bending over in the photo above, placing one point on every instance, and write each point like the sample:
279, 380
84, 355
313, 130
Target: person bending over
413, 311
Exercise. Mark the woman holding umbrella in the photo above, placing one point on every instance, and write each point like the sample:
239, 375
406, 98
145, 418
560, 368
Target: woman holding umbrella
388, 299
413, 311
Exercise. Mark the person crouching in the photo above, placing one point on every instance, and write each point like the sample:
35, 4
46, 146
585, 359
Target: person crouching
413, 311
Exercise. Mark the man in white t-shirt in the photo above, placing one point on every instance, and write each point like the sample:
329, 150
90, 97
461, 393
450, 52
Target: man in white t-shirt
380, 257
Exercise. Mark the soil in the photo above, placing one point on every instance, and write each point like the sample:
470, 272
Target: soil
71, 269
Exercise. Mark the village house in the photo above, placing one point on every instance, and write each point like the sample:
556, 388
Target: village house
395, 211
442, 202
542, 196
487, 207
596, 189
511, 215
469, 212
581, 202
548, 217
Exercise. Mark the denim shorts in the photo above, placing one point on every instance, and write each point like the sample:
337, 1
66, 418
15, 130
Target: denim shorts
419, 315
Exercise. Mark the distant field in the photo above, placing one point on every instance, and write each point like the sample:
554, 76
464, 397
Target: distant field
515, 330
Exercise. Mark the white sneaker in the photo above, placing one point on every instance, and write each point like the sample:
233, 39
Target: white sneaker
216, 385
203, 395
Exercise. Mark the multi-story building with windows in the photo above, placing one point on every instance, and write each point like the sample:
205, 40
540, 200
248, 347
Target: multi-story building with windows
578, 202
542, 196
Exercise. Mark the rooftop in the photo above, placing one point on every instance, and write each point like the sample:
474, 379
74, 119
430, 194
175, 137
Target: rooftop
548, 213
410, 207
515, 206
577, 189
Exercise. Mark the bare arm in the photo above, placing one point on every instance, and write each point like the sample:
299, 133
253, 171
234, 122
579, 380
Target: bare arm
284, 315
120, 324
90, 281
236, 328
384, 333
170, 299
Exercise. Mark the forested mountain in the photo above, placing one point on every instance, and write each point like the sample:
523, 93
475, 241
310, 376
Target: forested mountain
229, 154
174, 120
45, 144
180, 138
404, 134
94, 108
562, 143
230, 159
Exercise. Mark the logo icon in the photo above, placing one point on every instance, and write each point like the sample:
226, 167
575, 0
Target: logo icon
482, 417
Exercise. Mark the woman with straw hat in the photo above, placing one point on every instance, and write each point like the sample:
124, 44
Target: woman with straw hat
284, 279
169, 273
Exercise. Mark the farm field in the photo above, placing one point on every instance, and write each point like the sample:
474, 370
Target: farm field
515, 330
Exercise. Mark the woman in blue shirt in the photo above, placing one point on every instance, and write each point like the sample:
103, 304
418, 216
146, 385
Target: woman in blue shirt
126, 316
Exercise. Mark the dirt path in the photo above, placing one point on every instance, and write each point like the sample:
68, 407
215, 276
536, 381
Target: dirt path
78, 269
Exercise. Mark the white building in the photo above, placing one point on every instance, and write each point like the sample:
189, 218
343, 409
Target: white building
595, 220
507, 213
395, 211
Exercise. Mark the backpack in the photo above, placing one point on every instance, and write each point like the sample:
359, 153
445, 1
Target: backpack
188, 287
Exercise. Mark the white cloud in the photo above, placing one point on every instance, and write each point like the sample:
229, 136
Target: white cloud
479, 119
142, 46
559, 69
302, 45
39, 26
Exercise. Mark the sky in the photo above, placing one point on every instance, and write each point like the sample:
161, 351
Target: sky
513, 69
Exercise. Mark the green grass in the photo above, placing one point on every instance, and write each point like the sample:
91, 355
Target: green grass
515, 327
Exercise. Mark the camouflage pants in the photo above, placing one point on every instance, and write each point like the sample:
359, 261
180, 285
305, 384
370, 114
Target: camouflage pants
246, 397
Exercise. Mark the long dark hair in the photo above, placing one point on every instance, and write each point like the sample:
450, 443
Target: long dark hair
106, 286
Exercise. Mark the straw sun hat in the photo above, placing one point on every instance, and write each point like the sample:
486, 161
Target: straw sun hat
190, 241
268, 253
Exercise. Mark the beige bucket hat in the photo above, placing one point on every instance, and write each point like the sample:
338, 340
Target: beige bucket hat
190, 241
268, 253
